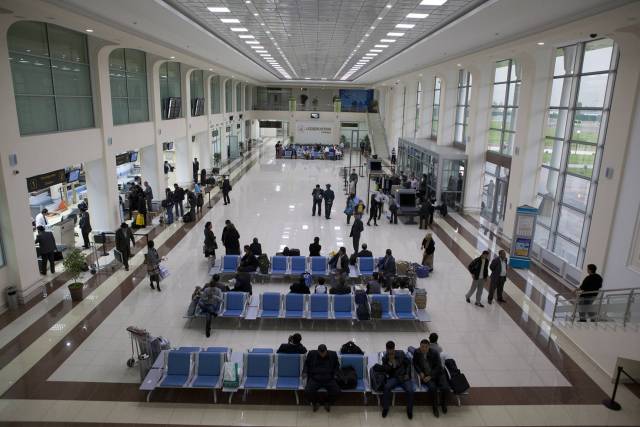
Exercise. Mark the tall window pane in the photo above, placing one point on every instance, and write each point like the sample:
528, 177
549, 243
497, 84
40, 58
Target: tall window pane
196, 86
506, 88
129, 94
238, 97
435, 114
215, 95
228, 96
171, 90
462, 108
418, 102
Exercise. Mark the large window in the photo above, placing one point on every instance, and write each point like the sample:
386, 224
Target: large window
435, 112
228, 96
171, 90
128, 77
504, 107
51, 77
2, 262
238, 97
215, 95
418, 102
579, 105
196, 89
461, 135
247, 98
404, 103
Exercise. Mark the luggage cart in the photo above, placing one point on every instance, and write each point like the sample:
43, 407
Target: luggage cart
140, 344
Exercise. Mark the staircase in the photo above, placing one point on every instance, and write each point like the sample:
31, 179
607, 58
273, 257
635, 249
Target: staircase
378, 137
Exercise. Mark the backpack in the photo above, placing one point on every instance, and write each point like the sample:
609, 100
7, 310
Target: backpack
362, 312
188, 217
350, 348
457, 380
347, 378
377, 377
294, 252
376, 310
360, 297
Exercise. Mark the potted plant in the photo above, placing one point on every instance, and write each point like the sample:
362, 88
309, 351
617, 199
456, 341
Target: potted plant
74, 264
216, 158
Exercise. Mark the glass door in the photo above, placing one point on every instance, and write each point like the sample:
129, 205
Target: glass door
494, 193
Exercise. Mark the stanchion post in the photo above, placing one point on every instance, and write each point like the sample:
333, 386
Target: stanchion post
611, 403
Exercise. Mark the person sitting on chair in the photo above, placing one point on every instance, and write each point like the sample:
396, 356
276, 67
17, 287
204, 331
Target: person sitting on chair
293, 345
321, 367
428, 366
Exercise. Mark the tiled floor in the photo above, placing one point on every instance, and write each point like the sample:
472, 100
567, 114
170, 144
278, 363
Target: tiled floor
493, 346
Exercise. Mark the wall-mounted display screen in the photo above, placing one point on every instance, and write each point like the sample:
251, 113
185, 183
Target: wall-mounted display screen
133, 156
74, 175
357, 100
315, 115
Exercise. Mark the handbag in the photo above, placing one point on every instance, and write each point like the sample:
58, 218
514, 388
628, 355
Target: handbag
230, 376
140, 220
164, 272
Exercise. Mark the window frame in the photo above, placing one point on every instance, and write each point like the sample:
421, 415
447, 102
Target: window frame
466, 85
505, 107
416, 125
435, 117
127, 98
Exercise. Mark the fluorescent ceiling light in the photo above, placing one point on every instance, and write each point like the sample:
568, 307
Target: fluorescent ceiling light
307, 78
239, 29
230, 20
255, 14
382, 45
380, 17
257, 47
432, 2
252, 42
371, 54
388, 6
219, 9
395, 34
262, 51
172, 57
387, 40
417, 15
540, 43
375, 50
246, 36
89, 30
407, 26
266, 55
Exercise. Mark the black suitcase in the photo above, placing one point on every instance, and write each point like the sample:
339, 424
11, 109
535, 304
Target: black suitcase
459, 383
188, 217
294, 252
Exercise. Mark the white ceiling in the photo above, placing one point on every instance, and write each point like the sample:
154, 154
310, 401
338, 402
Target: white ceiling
315, 39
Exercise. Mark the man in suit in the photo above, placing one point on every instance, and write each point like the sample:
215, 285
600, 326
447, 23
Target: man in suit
148, 195
365, 253
321, 367
398, 370
373, 211
85, 225
47, 249
329, 197
178, 197
479, 269
428, 367
387, 267
356, 231
195, 169
498, 277
317, 194
231, 239
315, 247
588, 292
124, 240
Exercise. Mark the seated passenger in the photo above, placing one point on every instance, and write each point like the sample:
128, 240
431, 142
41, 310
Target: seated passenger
299, 287
256, 248
387, 267
373, 286
215, 281
341, 288
210, 301
340, 262
428, 366
433, 342
321, 367
365, 253
314, 248
285, 252
248, 262
398, 370
402, 290
293, 345
243, 283
321, 288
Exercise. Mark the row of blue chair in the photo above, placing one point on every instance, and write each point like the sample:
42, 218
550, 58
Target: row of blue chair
296, 265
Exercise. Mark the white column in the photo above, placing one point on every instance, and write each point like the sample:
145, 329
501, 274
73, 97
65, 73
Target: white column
102, 192
183, 161
152, 165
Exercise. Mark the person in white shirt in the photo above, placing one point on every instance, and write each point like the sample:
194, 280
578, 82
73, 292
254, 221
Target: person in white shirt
498, 276
41, 220
321, 288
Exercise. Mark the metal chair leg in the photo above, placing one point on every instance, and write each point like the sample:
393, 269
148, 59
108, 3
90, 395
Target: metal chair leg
215, 396
297, 398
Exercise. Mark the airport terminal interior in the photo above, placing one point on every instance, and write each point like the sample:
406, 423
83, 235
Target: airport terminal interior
320, 212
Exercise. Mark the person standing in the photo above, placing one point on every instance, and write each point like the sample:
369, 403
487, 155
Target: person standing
398, 371
41, 218
498, 277
123, 237
210, 244
321, 367
359, 210
48, 248
256, 247
380, 197
350, 207
231, 239
85, 226
148, 195
588, 292
226, 188
317, 195
178, 197
425, 208
373, 211
393, 156
356, 231
132, 195
167, 204
142, 207
353, 181
329, 197
429, 248
314, 248
195, 168
152, 259
479, 269
393, 210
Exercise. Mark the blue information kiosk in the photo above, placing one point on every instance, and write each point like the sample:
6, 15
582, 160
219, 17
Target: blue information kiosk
523, 232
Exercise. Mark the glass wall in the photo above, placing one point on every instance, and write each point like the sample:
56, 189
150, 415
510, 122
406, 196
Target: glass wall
215, 95
404, 104
128, 79
239, 97
228, 96
435, 112
452, 191
196, 86
271, 98
461, 135
504, 106
247, 98
418, 102
494, 192
51, 77
171, 90
581, 92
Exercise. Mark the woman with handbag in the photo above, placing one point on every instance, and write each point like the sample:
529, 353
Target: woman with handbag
210, 244
152, 259
429, 248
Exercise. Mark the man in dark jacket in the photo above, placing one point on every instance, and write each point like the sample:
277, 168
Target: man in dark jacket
231, 239
85, 226
373, 211
178, 197
132, 195
340, 262
293, 346
299, 287
365, 253
123, 237
356, 231
398, 370
329, 197
428, 367
426, 208
248, 262
256, 247
243, 283
195, 169
498, 269
148, 195
317, 194
48, 247
387, 267
588, 292
314, 248
479, 269
142, 206
226, 188
321, 367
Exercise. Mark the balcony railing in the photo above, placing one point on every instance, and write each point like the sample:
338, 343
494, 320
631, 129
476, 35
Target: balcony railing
620, 306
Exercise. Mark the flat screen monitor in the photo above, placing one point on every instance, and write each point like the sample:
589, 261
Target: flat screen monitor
407, 200
133, 156
375, 165
74, 175
315, 115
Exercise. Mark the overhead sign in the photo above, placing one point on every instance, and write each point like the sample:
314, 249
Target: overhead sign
46, 180
123, 158
315, 133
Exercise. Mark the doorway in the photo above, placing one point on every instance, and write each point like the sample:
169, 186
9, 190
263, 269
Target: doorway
494, 193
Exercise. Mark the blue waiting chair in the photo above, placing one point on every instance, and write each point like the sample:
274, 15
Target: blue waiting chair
235, 304
226, 351
319, 306
257, 372
342, 307
366, 266
189, 349
359, 363
178, 369
278, 265
298, 265
230, 263
269, 305
261, 350
385, 304
404, 308
294, 306
209, 372
319, 266
288, 375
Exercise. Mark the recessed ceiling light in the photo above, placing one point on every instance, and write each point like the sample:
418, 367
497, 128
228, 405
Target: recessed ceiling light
375, 50
89, 30
210, 69
380, 17
252, 42
432, 2
266, 55
540, 43
459, 65
172, 57
373, 28
381, 45
417, 15
407, 26
256, 14
395, 34
257, 47
230, 20
387, 40
307, 78
262, 51
371, 54
246, 36
239, 29
262, 23
219, 9
366, 35
248, 1
267, 32
388, 6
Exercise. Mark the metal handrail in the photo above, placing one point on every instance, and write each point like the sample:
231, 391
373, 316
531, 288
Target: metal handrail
384, 135
608, 305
